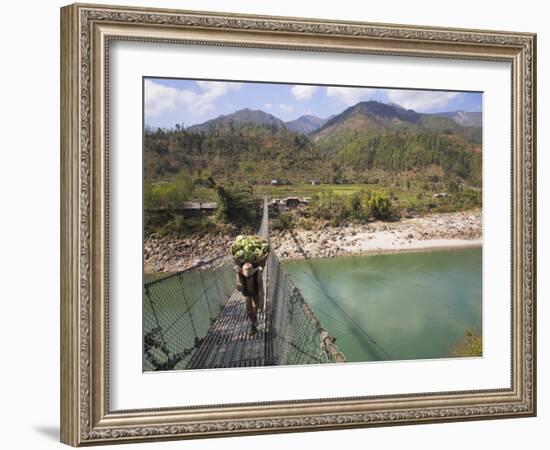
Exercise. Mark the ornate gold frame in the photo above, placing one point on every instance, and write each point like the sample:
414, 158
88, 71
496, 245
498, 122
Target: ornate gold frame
86, 31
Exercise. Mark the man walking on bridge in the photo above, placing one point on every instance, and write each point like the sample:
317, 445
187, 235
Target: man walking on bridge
250, 283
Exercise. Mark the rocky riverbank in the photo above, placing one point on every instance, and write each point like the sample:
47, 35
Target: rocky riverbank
173, 255
434, 231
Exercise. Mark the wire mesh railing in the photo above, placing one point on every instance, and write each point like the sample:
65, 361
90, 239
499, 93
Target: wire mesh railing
179, 309
295, 334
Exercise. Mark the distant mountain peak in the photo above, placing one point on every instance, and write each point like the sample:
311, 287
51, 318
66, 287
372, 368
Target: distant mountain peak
370, 114
239, 117
305, 124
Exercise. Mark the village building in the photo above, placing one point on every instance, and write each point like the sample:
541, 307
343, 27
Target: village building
292, 202
198, 208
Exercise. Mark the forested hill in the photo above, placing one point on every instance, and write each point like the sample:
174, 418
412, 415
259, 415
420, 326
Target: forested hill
367, 138
247, 152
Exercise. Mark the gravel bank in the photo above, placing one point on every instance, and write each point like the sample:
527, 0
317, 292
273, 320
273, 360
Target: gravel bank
435, 231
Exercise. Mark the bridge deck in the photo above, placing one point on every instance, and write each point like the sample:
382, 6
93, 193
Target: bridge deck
228, 344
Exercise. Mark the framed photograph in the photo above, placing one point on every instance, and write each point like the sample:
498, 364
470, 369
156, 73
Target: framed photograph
276, 224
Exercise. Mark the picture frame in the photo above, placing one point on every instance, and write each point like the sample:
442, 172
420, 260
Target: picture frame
87, 32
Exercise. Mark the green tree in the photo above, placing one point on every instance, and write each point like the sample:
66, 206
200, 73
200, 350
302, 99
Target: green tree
181, 189
380, 205
236, 204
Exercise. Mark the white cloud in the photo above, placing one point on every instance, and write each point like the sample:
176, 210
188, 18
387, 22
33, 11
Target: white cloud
303, 92
214, 89
160, 99
350, 96
268, 105
286, 108
421, 100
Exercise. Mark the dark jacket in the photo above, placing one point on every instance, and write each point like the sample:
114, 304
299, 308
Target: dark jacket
252, 285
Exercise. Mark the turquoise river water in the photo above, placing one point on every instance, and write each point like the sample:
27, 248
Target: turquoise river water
395, 306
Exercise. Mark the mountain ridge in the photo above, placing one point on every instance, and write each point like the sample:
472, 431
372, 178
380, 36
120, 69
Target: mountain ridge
464, 118
383, 117
373, 115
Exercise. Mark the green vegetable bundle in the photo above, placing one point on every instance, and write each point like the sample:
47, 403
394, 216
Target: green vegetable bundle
252, 249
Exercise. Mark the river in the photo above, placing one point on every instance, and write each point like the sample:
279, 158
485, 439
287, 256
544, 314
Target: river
395, 306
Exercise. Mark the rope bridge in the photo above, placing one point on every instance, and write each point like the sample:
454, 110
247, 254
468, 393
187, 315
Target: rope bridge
196, 319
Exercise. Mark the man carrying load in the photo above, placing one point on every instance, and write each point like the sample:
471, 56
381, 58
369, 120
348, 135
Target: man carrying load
250, 253
250, 283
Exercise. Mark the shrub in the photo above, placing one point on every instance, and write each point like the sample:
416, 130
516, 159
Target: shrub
380, 205
328, 206
284, 221
471, 345
307, 223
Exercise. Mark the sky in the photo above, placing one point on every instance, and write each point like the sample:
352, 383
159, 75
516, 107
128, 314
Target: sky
175, 101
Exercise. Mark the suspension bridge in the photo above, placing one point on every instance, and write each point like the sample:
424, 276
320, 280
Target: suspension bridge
196, 319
